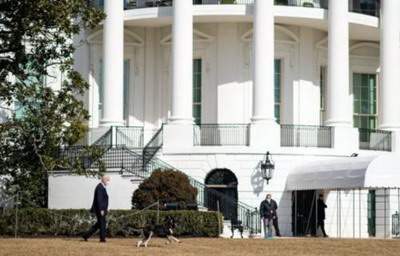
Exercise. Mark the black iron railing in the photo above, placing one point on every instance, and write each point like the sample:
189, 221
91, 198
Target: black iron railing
131, 137
152, 147
221, 135
375, 140
306, 136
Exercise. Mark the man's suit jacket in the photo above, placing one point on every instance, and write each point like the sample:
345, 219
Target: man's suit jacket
100, 200
268, 209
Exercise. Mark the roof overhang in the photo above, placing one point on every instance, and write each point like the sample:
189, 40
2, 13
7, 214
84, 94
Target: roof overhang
349, 173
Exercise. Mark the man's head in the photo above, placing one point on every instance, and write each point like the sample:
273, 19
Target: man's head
268, 197
105, 180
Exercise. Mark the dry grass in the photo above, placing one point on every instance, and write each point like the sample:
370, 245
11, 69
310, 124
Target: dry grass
200, 247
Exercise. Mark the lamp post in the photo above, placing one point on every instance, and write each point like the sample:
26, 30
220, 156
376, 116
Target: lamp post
267, 167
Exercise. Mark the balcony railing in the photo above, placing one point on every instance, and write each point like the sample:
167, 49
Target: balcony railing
304, 3
306, 136
375, 140
131, 137
371, 7
221, 135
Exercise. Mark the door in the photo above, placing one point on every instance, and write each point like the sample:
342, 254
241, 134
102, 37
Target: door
303, 212
221, 193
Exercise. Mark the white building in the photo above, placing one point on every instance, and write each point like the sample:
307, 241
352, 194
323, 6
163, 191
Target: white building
224, 81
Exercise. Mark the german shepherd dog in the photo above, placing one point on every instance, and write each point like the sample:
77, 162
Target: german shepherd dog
166, 230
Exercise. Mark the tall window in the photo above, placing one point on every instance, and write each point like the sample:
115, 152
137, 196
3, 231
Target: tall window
277, 89
197, 90
365, 111
322, 94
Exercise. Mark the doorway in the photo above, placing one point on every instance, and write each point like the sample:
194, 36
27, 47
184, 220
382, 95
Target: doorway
221, 193
304, 212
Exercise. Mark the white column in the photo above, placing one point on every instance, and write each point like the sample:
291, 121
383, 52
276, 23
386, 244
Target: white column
264, 131
389, 103
178, 134
339, 106
263, 57
182, 63
113, 63
339, 112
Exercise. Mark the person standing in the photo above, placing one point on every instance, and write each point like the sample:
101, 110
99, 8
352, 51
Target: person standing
321, 206
100, 208
269, 215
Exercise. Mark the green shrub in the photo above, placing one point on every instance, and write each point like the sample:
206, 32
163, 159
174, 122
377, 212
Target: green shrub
165, 186
45, 222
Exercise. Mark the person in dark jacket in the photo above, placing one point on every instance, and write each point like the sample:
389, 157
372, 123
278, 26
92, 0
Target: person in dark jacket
268, 212
321, 206
99, 208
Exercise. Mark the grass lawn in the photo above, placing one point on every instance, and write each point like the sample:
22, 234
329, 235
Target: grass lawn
200, 247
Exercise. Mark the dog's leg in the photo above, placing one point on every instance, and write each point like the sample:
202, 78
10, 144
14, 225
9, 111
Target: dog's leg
148, 239
169, 240
139, 243
174, 239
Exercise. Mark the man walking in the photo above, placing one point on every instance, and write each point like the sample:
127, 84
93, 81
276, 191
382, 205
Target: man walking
321, 214
99, 207
269, 215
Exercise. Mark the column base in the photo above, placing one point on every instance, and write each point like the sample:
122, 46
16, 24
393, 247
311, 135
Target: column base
177, 136
345, 139
265, 135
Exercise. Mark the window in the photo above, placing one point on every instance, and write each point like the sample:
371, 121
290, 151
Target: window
197, 90
322, 93
365, 111
277, 89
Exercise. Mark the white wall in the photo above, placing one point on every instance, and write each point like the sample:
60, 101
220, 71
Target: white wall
76, 192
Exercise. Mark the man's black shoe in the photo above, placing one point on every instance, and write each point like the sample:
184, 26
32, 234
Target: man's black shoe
102, 241
85, 238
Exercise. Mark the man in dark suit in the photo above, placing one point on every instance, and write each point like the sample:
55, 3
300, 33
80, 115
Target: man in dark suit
321, 214
99, 207
268, 212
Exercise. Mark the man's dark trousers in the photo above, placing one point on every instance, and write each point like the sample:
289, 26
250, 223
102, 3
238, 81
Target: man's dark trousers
276, 226
100, 224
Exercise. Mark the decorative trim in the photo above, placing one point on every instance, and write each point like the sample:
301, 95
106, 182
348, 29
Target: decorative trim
138, 40
247, 37
205, 38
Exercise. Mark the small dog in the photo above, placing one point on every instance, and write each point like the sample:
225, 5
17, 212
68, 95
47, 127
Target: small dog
166, 230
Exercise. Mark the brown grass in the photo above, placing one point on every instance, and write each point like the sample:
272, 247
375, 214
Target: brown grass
200, 247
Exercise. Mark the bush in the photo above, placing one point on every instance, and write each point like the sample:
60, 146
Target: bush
166, 186
45, 222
